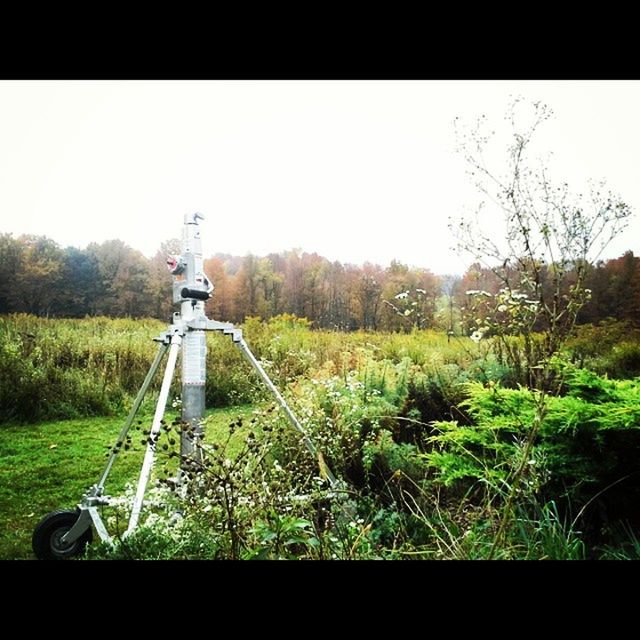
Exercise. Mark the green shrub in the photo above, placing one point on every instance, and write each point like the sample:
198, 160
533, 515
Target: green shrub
623, 361
611, 348
588, 446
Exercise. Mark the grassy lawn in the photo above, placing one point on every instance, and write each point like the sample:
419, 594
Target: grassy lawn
48, 466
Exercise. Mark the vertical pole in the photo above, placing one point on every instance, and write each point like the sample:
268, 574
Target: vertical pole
194, 353
194, 350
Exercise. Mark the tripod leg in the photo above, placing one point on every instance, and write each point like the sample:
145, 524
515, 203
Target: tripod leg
311, 447
132, 414
147, 464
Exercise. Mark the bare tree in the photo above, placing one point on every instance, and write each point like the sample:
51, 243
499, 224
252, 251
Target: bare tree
549, 236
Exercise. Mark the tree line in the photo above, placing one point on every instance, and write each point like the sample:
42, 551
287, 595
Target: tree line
612, 290
40, 277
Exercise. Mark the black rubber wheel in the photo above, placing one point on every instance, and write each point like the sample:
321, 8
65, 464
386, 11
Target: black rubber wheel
46, 540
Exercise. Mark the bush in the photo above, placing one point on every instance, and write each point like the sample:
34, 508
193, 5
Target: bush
611, 348
588, 445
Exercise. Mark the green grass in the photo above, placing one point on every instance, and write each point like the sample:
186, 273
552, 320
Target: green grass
48, 466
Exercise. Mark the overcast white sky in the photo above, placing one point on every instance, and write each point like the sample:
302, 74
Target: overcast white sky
355, 171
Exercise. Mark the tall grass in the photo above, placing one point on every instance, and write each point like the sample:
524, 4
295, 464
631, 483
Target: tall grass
55, 369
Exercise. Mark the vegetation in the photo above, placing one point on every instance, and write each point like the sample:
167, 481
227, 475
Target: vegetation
549, 235
55, 369
425, 432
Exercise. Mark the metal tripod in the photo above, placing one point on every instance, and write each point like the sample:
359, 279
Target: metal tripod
61, 533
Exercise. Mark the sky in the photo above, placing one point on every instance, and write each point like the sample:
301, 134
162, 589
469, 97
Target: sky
353, 170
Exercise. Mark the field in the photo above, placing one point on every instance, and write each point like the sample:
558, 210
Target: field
426, 433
